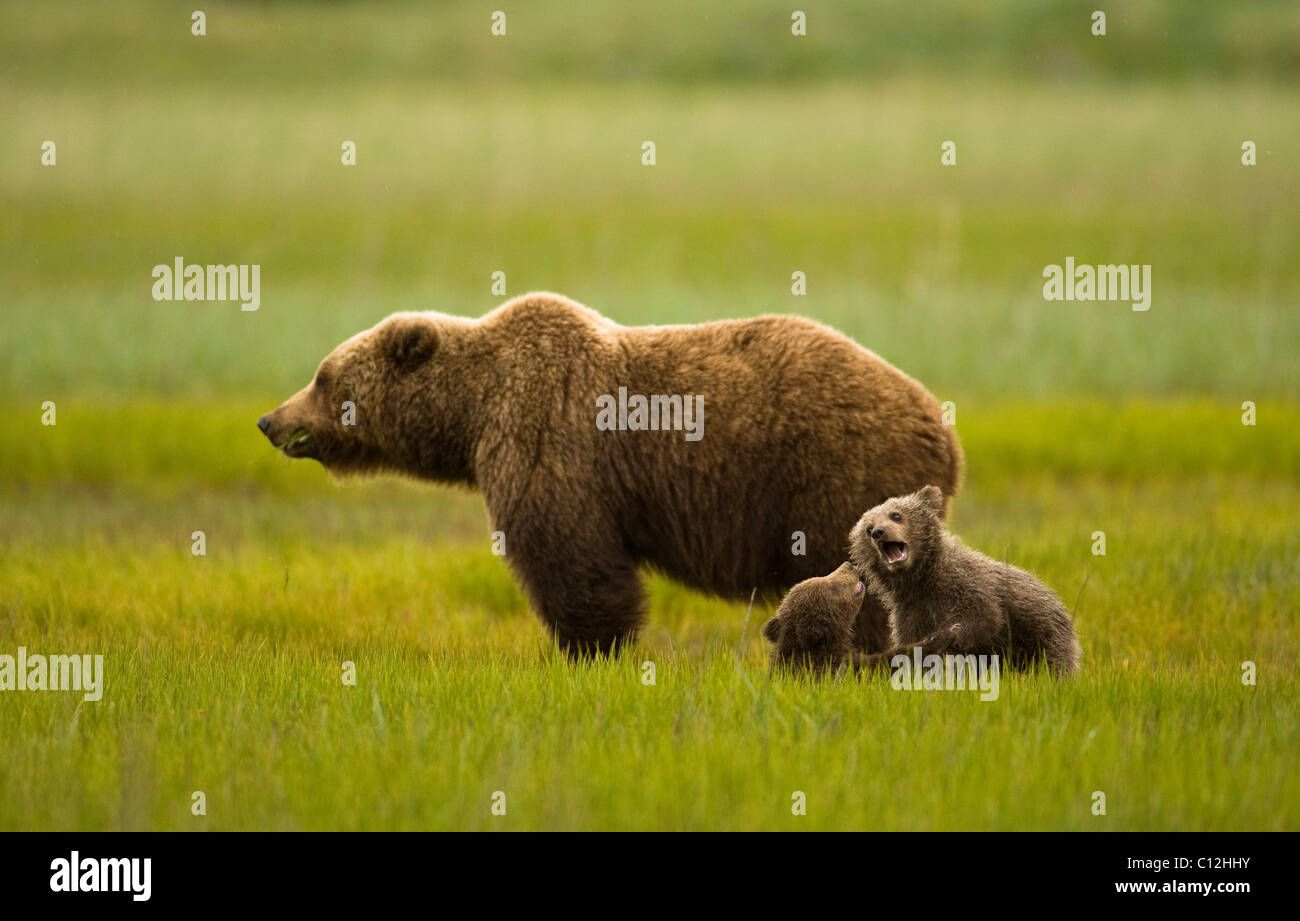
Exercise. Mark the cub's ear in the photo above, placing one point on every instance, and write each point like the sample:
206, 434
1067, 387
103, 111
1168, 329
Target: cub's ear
411, 343
772, 629
933, 497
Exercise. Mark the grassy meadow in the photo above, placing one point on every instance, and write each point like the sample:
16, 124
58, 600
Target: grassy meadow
523, 155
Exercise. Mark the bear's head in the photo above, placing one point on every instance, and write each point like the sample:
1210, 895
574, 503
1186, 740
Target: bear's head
899, 534
813, 625
394, 398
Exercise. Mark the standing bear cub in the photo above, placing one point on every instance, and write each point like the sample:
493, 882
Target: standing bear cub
813, 626
729, 455
947, 598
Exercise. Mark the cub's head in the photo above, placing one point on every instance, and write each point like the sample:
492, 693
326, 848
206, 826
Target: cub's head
813, 626
899, 533
393, 398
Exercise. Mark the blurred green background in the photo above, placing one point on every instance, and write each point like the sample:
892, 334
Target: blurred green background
522, 154
775, 153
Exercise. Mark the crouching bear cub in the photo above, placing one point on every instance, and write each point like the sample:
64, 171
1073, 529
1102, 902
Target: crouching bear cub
947, 598
813, 627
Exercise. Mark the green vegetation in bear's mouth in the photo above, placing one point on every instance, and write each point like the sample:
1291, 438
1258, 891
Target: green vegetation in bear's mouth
299, 438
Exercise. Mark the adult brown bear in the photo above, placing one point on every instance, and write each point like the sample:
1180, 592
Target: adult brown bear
733, 455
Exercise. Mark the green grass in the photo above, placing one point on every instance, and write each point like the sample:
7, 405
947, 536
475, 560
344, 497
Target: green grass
775, 154
429, 734
223, 671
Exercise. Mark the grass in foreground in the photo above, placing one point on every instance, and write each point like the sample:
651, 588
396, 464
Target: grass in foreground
224, 670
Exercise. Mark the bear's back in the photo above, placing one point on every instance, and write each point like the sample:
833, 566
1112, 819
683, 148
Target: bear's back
1040, 622
799, 429
802, 429
1034, 619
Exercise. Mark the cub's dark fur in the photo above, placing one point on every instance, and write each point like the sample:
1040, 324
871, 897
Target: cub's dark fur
813, 627
948, 598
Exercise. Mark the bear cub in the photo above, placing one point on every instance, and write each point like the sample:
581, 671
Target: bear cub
947, 598
813, 626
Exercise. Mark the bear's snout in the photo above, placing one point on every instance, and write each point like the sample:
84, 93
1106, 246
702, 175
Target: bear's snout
272, 425
285, 427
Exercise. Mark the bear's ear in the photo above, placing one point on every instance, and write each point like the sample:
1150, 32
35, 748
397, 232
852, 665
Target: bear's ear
933, 497
772, 629
410, 344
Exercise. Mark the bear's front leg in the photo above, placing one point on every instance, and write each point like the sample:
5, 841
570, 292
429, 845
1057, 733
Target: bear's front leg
593, 603
941, 642
975, 635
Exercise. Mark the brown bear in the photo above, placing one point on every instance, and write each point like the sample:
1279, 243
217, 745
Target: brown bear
813, 626
947, 598
589, 443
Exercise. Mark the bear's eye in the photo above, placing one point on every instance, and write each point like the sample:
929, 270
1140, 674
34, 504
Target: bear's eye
894, 516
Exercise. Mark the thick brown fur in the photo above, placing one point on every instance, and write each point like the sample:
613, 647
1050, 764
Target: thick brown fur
813, 626
947, 598
801, 427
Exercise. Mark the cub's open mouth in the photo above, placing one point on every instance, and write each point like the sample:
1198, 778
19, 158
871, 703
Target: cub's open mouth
893, 551
297, 443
